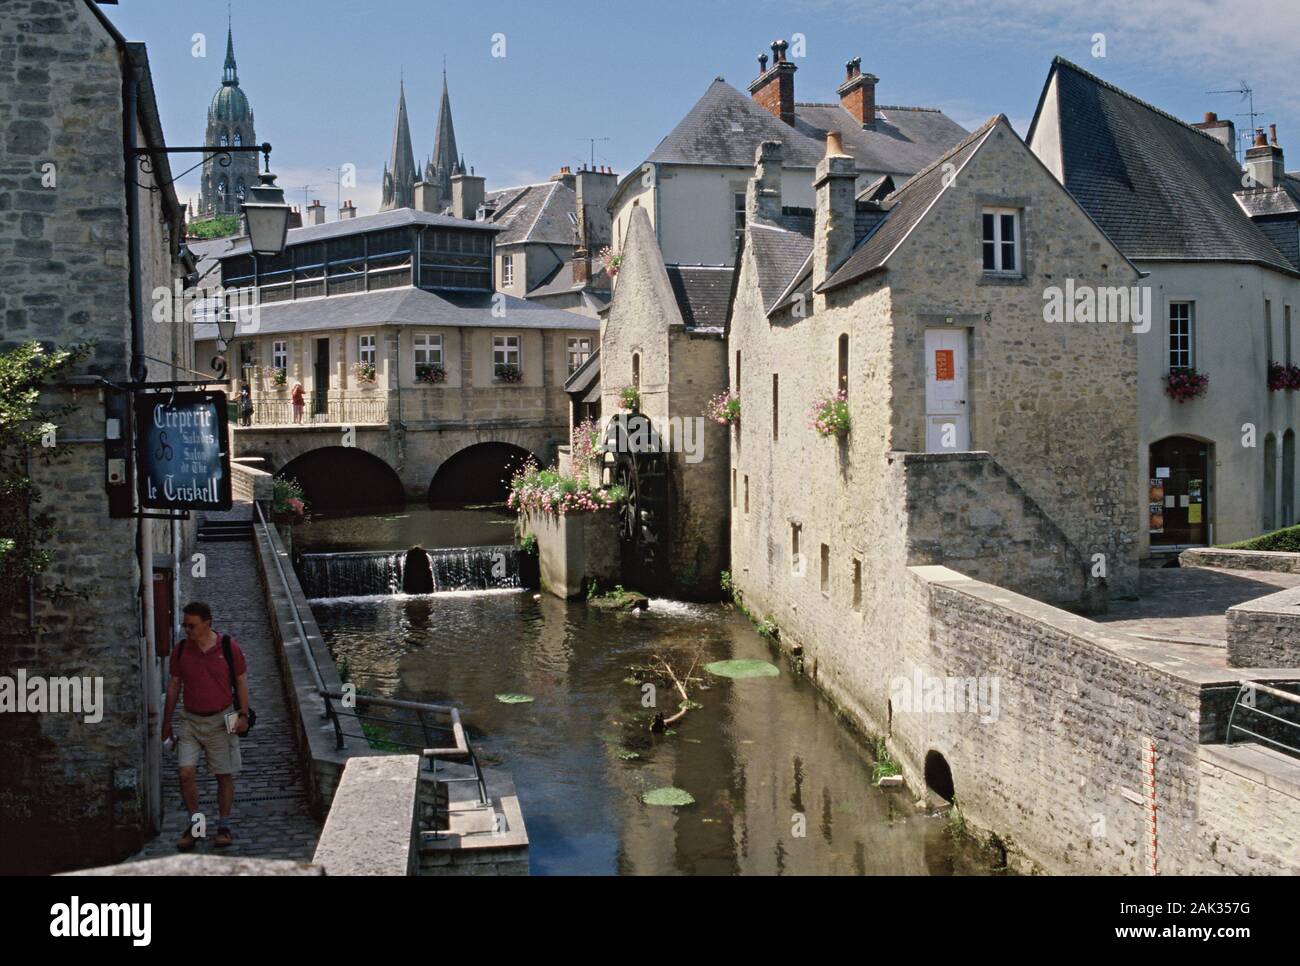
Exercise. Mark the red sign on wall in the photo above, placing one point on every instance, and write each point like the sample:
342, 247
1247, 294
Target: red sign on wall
945, 369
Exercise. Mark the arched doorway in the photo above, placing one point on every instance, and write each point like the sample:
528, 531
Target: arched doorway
344, 478
1288, 478
1178, 498
477, 474
1269, 499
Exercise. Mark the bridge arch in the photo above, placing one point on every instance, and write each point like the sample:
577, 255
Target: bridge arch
344, 478
479, 473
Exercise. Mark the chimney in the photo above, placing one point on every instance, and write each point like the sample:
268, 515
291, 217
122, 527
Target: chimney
774, 86
836, 209
858, 93
295, 218
1221, 130
315, 213
581, 266
349, 210
426, 197
763, 193
594, 188
1264, 160
466, 195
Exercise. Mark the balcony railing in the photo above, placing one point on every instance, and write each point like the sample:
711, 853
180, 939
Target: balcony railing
279, 412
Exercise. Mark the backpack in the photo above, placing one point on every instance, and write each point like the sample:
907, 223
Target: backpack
234, 686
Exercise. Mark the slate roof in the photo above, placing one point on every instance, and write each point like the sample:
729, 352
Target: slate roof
397, 218
779, 254
585, 376
1265, 202
560, 282
703, 294
542, 213
907, 207
407, 306
905, 139
1160, 188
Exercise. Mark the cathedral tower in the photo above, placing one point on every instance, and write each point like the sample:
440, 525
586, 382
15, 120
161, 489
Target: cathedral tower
230, 122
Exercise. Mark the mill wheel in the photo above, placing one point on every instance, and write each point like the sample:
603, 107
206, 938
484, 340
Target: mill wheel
637, 466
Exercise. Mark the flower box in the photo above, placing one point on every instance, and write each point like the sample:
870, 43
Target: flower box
829, 415
629, 398
1185, 383
1283, 377
429, 374
507, 372
724, 408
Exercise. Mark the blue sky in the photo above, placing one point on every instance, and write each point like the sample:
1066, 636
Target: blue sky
322, 76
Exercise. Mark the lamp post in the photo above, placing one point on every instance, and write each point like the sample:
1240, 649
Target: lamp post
266, 214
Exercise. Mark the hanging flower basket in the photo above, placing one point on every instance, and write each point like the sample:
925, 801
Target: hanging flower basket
508, 372
430, 374
1283, 377
629, 397
279, 378
724, 408
829, 415
1185, 383
364, 372
611, 260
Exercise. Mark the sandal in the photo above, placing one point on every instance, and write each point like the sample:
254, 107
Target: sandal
224, 838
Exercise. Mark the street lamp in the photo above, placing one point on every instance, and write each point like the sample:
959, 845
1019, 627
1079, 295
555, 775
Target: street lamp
266, 214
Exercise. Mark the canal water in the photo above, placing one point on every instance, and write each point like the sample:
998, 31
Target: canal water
780, 784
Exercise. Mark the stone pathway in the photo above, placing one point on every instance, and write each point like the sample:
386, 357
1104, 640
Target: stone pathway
272, 816
1187, 605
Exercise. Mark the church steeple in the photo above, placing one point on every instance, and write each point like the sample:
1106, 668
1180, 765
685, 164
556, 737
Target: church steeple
229, 76
400, 173
445, 161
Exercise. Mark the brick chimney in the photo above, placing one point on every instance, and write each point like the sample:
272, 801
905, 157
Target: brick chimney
1264, 159
836, 209
858, 93
564, 176
349, 210
467, 192
315, 213
1221, 130
763, 193
581, 266
773, 88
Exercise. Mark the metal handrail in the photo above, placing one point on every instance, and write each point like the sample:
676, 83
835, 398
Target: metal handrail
293, 607
1249, 688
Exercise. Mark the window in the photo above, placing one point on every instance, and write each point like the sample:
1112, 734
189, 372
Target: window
776, 406
826, 569
505, 350
796, 561
222, 187
738, 214
746, 492
366, 349
1180, 335
239, 189
579, 352
857, 584
428, 349
636, 369
843, 383
507, 270
1002, 240
1286, 332
1268, 329
239, 139
737, 371
733, 489
224, 140
279, 355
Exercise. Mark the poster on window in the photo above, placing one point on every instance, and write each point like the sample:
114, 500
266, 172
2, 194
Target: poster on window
1157, 491
1156, 524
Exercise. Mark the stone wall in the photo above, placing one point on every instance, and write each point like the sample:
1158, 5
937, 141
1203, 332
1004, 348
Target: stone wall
574, 549
1265, 632
1279, 562
1249, 799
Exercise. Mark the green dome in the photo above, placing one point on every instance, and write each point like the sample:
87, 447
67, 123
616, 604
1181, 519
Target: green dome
230, 104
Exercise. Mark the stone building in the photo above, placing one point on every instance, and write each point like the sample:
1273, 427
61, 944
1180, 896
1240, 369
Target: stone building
692, 184
230, 122
1219, 243
79, 792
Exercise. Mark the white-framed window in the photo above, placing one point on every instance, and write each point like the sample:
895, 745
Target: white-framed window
428, 348
505, 350
507, 270
280, 355
1001, 238
366, 349
1182, 316
738, 214
579, 352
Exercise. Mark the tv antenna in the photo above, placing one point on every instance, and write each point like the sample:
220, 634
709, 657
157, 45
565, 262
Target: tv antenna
592, 143
1246, 93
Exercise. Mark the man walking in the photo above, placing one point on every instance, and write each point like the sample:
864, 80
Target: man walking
207, 671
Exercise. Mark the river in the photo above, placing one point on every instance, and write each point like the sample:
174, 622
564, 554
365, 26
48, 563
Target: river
780, 784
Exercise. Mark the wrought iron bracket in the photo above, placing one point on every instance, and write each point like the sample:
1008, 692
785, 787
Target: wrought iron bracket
145, 158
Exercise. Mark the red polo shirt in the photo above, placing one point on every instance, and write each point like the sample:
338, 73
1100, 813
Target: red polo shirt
205, 677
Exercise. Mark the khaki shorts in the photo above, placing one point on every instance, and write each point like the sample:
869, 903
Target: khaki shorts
208, 733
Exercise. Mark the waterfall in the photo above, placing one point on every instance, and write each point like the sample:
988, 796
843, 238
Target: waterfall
380, 573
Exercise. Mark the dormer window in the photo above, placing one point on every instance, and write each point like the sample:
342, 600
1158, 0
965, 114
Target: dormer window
1001, 230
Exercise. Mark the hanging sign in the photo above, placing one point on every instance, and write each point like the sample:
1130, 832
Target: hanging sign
181, 451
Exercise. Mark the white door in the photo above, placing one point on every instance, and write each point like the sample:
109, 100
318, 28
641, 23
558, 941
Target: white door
947, 412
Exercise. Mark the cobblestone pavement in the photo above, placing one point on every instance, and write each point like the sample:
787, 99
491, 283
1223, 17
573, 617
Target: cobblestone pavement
272, 818
1187, 605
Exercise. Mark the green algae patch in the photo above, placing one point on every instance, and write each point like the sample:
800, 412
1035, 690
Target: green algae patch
514, 698
668, 796
742, 669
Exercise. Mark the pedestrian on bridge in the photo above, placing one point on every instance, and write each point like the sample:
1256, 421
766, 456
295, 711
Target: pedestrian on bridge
298, 395
210, 671
245, 405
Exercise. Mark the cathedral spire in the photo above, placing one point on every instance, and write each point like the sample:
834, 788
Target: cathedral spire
400, 175
445, 158
229, 76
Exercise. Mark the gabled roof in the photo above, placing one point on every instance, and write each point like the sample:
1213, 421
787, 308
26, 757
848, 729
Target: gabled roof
560, 281
585, 376
1160, 188
703, 293
407, 306
542, 213
397, 218
779, 253
908, 206
904, 139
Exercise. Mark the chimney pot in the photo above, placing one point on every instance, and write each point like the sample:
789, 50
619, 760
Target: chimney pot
762, 64
834, 145
1211, 117
1272, 134
774, 89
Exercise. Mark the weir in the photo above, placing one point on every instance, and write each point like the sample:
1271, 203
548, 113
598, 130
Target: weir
380, 573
